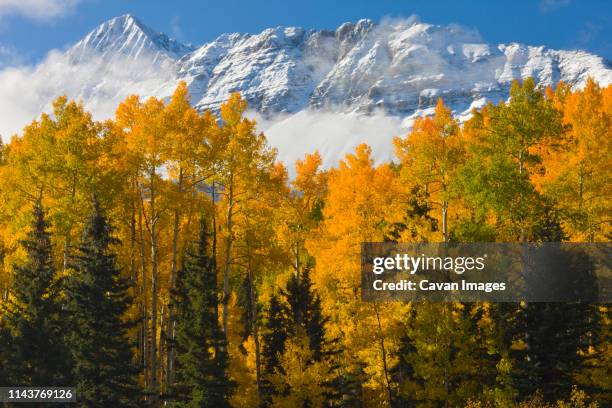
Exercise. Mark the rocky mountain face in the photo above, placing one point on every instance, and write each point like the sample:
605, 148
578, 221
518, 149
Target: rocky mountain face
127, 37
398, 66
325, 90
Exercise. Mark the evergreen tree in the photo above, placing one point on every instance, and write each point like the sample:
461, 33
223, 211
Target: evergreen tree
201, 352
5, 356
417, 222
303, 311
438, 366
347, 387
553, 335
247, 298
557, 335
298, 322
274, 337
301, 314
35, 347
104, 372
401, 374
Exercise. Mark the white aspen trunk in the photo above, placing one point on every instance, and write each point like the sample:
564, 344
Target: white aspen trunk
445, 220
228, 254
174, 267
154, 283
384, 355
143, 297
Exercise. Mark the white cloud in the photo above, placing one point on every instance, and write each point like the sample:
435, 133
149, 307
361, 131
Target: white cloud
37, 9
551, 5
9, 56
333, 134
175, 27
26, 91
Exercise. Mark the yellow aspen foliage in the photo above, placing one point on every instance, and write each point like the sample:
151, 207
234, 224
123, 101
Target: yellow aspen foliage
301, 210
302, 381
361, 203
56, 159
441, 334
245, 168
534, 168
242, 365
577, 175
430, 156
146, 129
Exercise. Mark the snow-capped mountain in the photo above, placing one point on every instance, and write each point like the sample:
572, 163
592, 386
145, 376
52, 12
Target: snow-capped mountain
399, 66
126, 36
309, 89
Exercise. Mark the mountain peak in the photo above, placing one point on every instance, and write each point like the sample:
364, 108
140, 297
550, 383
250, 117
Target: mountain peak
127, 21
398, 65
124, 18
350, 29
126, 35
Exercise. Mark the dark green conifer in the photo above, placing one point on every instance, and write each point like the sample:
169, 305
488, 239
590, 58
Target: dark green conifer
104, 371
201, 351
303, 311
274, 336
553, 334
7, 367
33, 326
347, 388
401, 373
299, 315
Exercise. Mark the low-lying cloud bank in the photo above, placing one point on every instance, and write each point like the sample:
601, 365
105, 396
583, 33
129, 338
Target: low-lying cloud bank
26, 91
333, 134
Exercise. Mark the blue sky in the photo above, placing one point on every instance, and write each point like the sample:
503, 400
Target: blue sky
30, 28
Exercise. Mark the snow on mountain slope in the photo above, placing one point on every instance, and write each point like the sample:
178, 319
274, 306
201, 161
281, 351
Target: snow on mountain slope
398, 66
119, 58
294, 79
126, 36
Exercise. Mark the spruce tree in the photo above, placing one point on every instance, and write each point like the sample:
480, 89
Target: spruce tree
104, 371
6, 368
348, 387
299, 318
303, 312
402, 373
275, 334
247, 298
555, 334
274, 337
33, 332
201, 378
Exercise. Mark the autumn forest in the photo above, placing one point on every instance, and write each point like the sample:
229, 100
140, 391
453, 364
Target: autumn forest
165, 257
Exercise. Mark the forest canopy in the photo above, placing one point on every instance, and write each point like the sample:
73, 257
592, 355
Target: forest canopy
233, 284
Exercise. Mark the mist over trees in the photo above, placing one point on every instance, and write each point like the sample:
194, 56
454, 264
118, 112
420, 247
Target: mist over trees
165, 258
